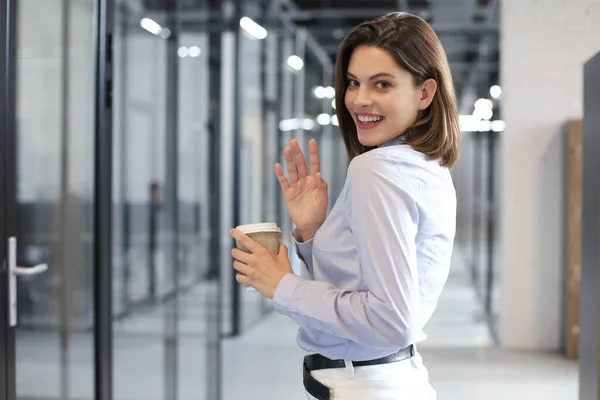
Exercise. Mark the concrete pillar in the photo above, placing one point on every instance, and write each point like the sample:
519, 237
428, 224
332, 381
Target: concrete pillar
589, 339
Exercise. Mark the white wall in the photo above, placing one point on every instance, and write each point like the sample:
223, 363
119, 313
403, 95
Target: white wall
544, 46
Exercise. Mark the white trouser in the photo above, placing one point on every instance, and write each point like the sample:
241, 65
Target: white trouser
405, 380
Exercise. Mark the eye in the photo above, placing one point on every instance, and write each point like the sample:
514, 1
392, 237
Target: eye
352, 83
382, 85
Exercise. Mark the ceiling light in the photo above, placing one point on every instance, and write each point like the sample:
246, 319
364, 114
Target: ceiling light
329, 92
165, 33
254, 29
483, 113
183, 52
195, 51
151, 26
295, 62
496, 91
319, 92
324, 119
484, 104
498, 125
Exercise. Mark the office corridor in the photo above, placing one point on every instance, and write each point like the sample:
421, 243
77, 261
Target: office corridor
134, 134
464, 364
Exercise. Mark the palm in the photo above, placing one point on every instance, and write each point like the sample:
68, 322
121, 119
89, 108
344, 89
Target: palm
307, 201
306, 197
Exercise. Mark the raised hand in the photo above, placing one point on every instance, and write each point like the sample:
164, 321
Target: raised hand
306, 192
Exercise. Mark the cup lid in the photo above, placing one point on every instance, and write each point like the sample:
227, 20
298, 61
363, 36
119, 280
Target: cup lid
262, 227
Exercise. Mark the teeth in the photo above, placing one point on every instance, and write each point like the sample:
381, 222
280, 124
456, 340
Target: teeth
369, 120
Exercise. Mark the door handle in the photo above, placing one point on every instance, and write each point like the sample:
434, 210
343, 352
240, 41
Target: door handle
13, 272
22, 271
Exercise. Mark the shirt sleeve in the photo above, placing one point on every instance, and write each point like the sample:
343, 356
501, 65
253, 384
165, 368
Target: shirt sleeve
304, 252
383, 218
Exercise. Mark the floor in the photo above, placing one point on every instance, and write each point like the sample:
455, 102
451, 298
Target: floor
264, 363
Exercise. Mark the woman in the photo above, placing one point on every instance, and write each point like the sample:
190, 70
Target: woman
378, 262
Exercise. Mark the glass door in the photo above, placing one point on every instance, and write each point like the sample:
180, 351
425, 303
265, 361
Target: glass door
47, 200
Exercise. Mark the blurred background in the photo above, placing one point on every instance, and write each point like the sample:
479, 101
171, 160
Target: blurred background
193, 102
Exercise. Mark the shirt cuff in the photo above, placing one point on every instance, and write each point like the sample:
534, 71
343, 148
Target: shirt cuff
284, 293
297, 238
303, 249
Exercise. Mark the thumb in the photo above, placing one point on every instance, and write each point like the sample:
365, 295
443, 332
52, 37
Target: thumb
320, 178
283, 250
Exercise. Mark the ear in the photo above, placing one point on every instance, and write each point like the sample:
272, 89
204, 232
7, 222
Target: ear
428, 89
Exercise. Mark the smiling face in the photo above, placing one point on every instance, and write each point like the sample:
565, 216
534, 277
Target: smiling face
382, 97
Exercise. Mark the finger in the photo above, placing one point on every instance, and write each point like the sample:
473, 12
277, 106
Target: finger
241, 256
299, 158
241, 267
283, 182
243, 279
246, 241
320, 178
283, 250
315, 162
291, 167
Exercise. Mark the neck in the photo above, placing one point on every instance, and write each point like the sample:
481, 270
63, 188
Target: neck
394, 142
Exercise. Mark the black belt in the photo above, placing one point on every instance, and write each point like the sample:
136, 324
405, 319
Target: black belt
316, 361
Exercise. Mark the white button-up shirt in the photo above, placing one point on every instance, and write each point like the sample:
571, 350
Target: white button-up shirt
377, 265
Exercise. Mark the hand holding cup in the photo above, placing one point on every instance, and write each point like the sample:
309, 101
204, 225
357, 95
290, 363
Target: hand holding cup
261, 259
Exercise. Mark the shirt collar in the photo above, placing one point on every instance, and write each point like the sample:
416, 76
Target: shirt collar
395, 141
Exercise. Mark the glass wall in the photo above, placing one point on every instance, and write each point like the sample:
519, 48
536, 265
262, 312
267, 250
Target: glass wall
319, 93
288, 121
253, 171
277, 76
275, 101
197, 306
164, 291
191, 91
143, 266
306, 110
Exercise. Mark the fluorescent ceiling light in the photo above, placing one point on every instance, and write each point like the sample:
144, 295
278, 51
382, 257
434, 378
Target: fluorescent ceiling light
253, 28
498, 126
296, 123
151, 26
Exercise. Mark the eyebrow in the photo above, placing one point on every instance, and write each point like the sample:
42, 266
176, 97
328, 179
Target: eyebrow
379, 75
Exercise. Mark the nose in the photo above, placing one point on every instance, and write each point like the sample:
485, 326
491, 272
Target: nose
362, 98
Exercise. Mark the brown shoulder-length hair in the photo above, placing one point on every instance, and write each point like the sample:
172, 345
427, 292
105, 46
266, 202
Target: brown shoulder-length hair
414, 45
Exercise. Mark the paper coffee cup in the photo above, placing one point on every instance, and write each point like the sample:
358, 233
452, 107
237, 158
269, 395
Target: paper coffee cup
265, 234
